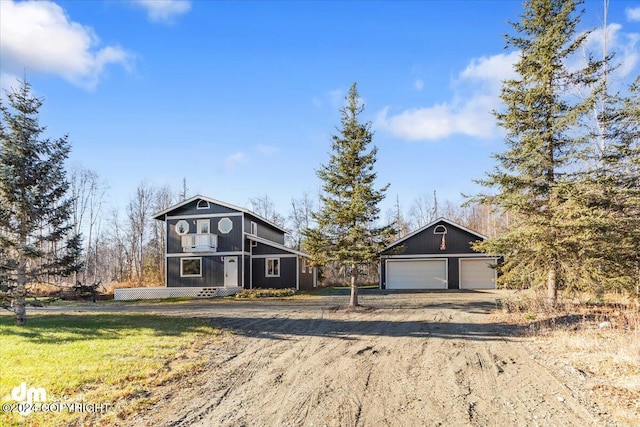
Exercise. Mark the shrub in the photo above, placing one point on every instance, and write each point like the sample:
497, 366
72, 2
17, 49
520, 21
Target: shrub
266, 293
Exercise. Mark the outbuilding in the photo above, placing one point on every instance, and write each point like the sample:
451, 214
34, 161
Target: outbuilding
437, 256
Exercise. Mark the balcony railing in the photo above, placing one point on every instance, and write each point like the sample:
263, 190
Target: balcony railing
199, 242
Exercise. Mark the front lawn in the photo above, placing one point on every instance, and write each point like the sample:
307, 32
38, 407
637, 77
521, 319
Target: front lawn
113, 359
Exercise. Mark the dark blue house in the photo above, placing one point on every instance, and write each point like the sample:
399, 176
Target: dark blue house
212, 244
437, 256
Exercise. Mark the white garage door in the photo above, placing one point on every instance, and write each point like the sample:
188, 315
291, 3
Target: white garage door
417, 274
476, 274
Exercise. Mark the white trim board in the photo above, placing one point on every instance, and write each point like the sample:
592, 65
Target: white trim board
473, 255
274, 256
202, 254
203, 216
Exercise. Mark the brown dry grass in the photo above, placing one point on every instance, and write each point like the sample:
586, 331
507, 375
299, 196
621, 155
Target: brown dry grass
594, 344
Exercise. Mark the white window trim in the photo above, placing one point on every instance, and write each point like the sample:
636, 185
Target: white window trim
182, 265
222, 227
186, 227
266, 267
202, 207
203, 221
254, 228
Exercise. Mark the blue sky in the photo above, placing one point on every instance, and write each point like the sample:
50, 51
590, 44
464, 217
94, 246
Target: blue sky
241, 98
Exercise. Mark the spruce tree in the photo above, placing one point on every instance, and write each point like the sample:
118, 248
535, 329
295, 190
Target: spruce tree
347, 228
35, 240
617, 193
532, 179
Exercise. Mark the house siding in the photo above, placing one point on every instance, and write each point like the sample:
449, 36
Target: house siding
247, 271
266, 231
212, 273
191, 209
457, 242
263, 249
287, 277
229, 242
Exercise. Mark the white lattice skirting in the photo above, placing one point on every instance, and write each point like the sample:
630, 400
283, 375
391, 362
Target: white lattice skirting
127, 294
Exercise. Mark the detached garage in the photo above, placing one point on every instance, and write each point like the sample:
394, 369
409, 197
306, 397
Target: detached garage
437, 256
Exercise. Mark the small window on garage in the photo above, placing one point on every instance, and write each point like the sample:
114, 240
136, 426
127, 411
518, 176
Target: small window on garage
272, 267
191, 267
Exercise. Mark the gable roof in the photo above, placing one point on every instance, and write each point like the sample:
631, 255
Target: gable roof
275, 245
431, 224
159, 215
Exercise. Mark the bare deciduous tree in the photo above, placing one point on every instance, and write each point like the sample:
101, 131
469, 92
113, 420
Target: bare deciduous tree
264, 206
300, 219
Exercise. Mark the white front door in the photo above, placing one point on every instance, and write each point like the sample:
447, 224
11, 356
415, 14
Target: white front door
230, 271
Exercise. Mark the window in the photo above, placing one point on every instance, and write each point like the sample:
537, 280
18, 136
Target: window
273, 267
202, 204
203, 226
191, 267
440, 229
254, 228
304, 265
225, 225
182, 227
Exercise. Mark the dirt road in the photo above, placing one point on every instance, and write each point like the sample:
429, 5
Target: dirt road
432, 359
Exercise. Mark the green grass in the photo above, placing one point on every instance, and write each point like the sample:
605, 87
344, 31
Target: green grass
96, 358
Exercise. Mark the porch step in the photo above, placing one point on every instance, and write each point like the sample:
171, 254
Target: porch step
207, 293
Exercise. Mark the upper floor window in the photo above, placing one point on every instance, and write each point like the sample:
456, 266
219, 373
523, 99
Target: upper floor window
203, 226
202, 204
182, 227
254, 228
225, 225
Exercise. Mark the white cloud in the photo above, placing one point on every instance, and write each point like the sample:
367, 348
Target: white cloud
232, 161
476, 92
418, 85
164, 10
491, 70
623, 44
633, 14
38, 36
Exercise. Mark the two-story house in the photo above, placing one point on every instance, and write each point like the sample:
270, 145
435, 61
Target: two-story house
212, 244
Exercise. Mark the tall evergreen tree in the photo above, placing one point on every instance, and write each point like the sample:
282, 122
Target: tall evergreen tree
615, 193
532, 177
36, 241
347, 229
